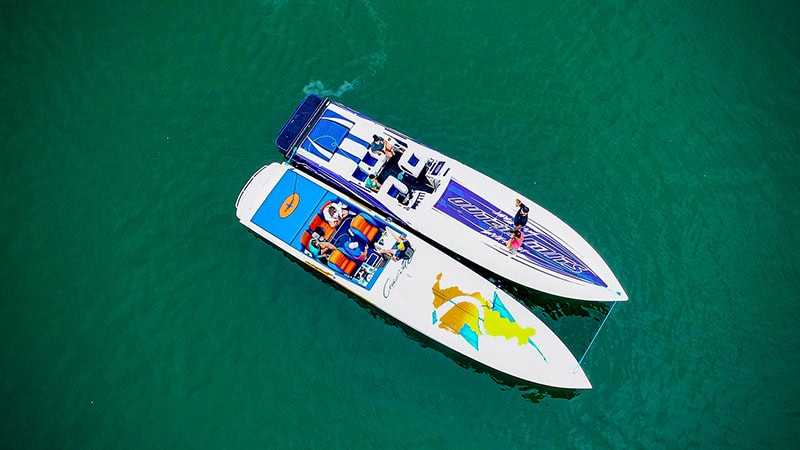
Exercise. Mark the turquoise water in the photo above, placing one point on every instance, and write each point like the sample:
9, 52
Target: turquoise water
138, 313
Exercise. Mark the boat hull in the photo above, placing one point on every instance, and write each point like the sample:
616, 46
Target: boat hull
453, 205
428, 291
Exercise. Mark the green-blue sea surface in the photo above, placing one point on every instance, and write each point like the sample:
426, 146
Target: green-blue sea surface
137, 313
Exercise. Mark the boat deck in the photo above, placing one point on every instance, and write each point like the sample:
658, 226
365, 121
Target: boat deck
449, 203
417, 284
359, 238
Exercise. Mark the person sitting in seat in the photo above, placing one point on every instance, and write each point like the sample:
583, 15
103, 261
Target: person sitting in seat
320, 249
372, 183
380, 145
335, 213
376, 146
403, 250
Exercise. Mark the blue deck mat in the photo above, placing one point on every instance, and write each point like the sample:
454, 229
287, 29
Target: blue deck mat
328, 134
289, 229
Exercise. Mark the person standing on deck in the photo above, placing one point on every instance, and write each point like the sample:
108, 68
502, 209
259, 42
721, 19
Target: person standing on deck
521, 218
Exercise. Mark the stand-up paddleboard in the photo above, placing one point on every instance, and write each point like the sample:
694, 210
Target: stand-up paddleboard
404, 276
444, 200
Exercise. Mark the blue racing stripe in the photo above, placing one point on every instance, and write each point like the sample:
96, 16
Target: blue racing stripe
353, 137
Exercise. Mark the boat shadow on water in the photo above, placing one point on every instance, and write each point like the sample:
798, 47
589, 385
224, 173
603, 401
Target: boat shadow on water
553, 306
532, 392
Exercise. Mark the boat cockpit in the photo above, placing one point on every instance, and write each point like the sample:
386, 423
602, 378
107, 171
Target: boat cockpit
337, 143
359, 246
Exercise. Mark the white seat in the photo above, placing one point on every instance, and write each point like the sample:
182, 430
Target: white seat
376, 166
411, 163
393, 188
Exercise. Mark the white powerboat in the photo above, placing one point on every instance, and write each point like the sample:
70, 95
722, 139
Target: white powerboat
402, 275
457, 207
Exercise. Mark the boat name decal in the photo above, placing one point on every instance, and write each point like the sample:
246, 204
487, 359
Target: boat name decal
538, 246
389, 284
499, 231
